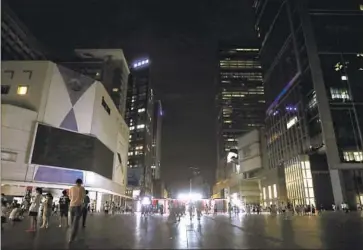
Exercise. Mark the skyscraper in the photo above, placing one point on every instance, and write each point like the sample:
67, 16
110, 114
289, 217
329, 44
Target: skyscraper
108, 66
156, 145
312, 57
139, 117
240, 95
17, 42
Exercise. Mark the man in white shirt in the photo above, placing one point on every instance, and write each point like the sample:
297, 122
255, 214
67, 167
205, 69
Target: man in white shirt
77, 193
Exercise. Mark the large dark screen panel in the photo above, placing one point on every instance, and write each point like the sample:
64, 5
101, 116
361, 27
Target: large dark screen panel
61, 148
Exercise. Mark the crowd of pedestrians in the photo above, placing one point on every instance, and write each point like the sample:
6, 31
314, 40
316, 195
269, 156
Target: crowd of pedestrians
76, 203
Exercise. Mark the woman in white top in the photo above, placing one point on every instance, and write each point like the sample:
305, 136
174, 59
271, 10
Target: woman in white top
34, 209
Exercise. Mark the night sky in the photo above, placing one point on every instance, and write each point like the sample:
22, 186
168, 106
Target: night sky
179, 37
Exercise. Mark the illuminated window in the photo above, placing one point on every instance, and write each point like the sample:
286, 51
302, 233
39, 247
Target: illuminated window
275, 190
141, 110
313, 102
269, 192
264, 193
139, 147
344, 78
132, 128
115, 89
291, 122
341, 94
228, 121
354, 156
140, 126
22, 90
338, 66
361, 7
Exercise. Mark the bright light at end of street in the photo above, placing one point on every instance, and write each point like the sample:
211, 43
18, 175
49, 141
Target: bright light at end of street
191, 196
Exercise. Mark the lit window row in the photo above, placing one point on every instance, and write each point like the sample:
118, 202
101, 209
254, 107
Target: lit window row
313, 102
139, 147
356, 156
141, 126
141, 110
340, 94
272, 192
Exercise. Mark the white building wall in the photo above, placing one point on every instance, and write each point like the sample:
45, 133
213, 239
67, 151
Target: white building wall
17, 126
33, 74
49, 98
249, 152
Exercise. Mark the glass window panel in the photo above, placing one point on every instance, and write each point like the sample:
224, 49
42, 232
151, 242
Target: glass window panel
304, 174
310, 183
269, 192
312, 201
307, 201
307, 164
306, 192
305, 183
311, 193
308, 174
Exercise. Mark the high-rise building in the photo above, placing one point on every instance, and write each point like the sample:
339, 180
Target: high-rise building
312, 56
240, 96
139, 117
17, 42
108, 66
156, 146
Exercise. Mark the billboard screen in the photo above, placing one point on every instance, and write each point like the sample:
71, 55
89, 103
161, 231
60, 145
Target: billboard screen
66, 149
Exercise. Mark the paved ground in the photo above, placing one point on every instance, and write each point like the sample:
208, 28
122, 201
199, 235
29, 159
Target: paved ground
331, 230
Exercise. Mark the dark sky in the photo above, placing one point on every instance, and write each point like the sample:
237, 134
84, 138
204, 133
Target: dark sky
180, 37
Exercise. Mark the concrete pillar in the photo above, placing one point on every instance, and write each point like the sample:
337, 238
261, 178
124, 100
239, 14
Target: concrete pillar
337, 184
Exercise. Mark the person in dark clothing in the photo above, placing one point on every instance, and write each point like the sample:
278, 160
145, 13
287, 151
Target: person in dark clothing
64, 208
85, 209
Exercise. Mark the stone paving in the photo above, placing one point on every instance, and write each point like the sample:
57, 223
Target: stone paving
328, 231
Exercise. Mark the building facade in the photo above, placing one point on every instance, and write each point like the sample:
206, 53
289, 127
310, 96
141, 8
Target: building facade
240, 98
156, 146
313, 69
108, 66
244, 171
57, 126
139, 117
17, 42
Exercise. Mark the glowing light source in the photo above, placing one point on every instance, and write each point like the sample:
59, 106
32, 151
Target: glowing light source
344, 78
141, 63
145, 201
190, 196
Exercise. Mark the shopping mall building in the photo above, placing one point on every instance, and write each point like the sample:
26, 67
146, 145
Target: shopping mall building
58, 125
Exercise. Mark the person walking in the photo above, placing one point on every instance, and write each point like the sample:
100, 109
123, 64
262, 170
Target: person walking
34, 209
85, 209
47, 210
77, 193
64, 202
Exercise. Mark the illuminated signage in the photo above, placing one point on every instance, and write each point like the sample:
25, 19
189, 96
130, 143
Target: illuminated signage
141, 63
